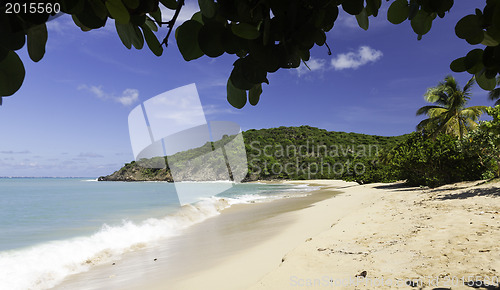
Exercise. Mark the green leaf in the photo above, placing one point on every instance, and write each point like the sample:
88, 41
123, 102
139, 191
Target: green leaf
254, 94
88, 20
72, 7
331, 15
138, 20
138, 40
3, 53
210, 39
151, 40
458, 65
319, 37
8, 39
11, 74
129, 35
372, 7
79, 23
422, 23
490, 59
305, 55
469, 28
132, 4
156, 16
362, 19
170, 4
489, 40
485, 83
118, 11
236, 97
207, 7
187, 40
398, 11
267, 31
37, 38
247, 72
474, 61
353, 7
198, 17
490, 74
414, 8
245, 30
99, 8
444, 6
231, 42
151, 24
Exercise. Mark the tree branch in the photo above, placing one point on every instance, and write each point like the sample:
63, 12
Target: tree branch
171, 23
329, 50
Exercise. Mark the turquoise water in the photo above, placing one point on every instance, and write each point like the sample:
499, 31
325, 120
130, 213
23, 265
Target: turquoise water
52, 227
39, 210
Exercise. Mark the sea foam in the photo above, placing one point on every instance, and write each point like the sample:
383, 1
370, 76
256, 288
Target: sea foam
45, 265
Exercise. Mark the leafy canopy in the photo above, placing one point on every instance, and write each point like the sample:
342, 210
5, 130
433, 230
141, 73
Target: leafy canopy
421, 160
265, 35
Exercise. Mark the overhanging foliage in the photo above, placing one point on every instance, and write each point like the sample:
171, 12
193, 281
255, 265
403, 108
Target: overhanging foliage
265, 35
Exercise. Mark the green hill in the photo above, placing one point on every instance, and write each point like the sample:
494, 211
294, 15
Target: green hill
279, 153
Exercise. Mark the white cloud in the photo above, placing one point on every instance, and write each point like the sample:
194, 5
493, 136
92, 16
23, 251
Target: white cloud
353, 60
314, 64
127, 97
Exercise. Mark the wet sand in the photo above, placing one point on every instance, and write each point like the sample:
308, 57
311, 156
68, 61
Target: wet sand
172, 262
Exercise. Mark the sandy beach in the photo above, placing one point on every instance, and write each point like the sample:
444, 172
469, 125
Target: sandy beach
426, 238
343, 236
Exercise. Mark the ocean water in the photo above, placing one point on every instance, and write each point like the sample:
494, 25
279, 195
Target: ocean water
54, 227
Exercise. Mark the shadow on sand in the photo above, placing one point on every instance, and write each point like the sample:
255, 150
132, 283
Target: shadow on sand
397, 187
492, 192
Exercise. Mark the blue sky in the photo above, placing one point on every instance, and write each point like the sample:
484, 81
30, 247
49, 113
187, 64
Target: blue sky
70, 116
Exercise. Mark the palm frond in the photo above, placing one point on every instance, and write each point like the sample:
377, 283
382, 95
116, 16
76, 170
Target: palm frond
472, 113
451, 83
437, 112
423, 125
449, 113
494, 94
469, 85
425, 109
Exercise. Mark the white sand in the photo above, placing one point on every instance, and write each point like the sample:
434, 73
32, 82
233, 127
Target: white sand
436, 238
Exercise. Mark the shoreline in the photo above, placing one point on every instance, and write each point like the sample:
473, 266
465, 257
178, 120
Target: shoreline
203, 245
375, 233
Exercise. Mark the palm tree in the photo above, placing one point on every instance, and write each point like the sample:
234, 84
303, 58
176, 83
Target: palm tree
449, 114
495, 94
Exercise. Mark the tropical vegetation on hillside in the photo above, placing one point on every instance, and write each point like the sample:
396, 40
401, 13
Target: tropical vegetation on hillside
449, 146
279, 153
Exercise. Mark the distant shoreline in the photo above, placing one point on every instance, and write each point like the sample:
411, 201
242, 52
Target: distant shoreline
47, 177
